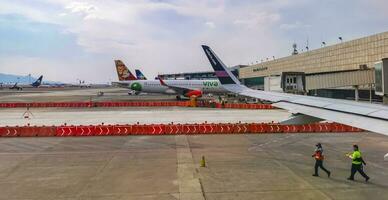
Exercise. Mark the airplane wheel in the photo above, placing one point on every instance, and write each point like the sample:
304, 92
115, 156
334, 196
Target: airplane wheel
178, 98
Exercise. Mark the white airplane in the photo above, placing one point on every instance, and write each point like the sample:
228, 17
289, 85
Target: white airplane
308, 109
185, 88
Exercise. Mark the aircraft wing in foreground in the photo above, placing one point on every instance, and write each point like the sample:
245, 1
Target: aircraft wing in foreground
307, 109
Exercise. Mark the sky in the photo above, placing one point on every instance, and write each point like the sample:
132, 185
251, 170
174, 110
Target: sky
68, 40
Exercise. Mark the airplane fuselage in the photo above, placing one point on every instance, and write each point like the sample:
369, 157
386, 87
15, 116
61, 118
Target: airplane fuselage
154, 86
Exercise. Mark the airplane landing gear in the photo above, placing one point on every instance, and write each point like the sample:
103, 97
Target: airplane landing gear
178, 98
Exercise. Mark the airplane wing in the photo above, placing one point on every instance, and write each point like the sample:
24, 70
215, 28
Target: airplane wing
121, 84
367, 116
182, 90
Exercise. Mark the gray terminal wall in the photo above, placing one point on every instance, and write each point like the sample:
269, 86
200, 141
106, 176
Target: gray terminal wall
340, 57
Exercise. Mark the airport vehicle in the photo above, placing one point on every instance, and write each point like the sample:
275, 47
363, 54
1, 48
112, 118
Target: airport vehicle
35, 84
140, 75
180, 88
308, 109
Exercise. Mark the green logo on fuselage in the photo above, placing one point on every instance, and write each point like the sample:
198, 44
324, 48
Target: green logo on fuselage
136, 86
210, 83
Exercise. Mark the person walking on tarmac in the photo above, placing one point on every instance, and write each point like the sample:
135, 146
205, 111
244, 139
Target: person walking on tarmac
318, 155
357, 162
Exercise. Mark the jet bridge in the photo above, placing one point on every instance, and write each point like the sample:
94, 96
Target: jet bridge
381, 84
339, 79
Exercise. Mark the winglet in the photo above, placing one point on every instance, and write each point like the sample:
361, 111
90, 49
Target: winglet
222, 72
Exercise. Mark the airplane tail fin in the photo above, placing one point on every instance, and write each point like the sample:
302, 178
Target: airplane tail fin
38, 82
162, 81
123, 72
140, 75
225, 76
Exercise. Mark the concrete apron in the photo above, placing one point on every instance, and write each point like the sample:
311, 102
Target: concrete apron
189, 185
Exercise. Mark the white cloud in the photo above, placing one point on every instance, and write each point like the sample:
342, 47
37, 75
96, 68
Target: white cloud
162, 36
121, 29
210, 25
258, 20
89, 11
295, 25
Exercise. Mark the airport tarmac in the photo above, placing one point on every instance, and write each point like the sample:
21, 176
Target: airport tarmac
118, 115
132, 115
77, 94
260, 166
249, 166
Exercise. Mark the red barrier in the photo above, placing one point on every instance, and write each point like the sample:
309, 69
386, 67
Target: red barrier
63, 131
290, 128
133, 104
172, 129
190, 129
46, 131
28, 131
104, 130
85, 131
274, 128
10, 131
240, 128
226, 128
3, 130
122, 130
207, 128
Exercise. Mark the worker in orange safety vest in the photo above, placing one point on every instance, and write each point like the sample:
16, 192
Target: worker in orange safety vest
319, 157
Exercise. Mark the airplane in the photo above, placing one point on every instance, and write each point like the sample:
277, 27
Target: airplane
308, 109
35, 84
180, 88
140, 75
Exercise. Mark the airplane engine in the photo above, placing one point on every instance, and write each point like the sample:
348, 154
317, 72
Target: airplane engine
195, 93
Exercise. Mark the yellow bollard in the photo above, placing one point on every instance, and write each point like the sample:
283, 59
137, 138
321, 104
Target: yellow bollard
203, 162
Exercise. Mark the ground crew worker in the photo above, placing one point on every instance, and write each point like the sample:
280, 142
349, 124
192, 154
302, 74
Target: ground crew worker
318, 155
357, 162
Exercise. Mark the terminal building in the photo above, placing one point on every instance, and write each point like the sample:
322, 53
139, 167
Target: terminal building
197, 75
344, 70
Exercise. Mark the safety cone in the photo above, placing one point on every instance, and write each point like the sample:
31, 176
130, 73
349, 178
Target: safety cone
203, 162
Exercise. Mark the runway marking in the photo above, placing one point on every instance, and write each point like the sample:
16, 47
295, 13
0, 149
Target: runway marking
257, 147
189, 185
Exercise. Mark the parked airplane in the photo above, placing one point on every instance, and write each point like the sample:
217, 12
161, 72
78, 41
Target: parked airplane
35, 84
308, 109
185, 88
140, 75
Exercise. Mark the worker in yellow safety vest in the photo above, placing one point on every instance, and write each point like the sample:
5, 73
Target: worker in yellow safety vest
357, 162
